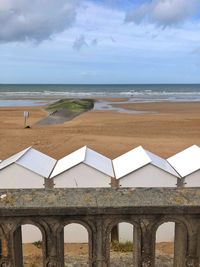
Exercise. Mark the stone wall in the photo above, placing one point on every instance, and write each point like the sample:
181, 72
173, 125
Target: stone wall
99, 210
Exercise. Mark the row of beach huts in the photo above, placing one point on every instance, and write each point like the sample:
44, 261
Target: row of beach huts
87, 168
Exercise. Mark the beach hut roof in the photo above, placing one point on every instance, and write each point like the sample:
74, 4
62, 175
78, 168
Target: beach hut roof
87, 156
33, 160
187, 161
137, 158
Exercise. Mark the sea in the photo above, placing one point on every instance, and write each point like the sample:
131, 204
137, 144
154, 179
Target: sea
26, 94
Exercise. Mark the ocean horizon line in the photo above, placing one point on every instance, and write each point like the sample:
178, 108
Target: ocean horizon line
100, 84
136, 93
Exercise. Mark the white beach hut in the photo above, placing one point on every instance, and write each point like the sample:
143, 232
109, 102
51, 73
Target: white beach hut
83, 168
141, 168
26, 169
187, 164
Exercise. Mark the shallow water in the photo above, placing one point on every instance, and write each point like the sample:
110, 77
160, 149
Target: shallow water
110, 106
99, 105
22, 103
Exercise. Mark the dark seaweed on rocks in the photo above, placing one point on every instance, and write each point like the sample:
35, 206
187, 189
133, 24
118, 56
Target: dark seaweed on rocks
66, 109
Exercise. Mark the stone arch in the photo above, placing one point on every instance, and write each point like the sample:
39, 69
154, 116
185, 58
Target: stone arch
181, 237
166, 218
137, 235
114, 221
174, 219
86, 224
38, 223
16, 237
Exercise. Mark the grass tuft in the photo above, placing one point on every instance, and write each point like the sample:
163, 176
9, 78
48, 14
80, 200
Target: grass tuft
73, 105
122, 247
38, 244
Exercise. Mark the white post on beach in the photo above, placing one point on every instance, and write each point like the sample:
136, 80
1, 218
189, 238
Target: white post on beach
26, 115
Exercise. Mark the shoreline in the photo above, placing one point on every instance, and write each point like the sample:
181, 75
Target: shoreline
64, 115
116, 105
119, 105
43, 101
30, 101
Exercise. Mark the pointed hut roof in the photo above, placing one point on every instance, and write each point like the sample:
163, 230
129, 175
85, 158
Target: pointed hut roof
138, 158
33, 160
187, 161
87, 156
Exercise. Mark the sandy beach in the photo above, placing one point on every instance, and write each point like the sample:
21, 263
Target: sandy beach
76, 255
165, 129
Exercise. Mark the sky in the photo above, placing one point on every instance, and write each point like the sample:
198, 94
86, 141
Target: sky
99, 41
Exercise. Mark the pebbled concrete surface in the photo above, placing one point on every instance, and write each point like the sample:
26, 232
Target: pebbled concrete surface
100, 198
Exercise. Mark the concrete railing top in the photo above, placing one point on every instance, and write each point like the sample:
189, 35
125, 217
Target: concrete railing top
91, 199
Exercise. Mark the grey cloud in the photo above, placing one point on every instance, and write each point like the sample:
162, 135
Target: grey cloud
35, 20
79, 43
117, 3
163, 12
153, 36
94, 42
112, 39
195, 51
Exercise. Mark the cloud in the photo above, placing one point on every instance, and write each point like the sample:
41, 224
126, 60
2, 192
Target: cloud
35, 20
112, 39
163, 12
94, 42
79, 43
196, 51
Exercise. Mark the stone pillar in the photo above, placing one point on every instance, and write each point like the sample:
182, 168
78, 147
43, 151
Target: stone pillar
48, 183
147, 244
54, 254
100, 245
115, 230
17, 247
137, 246
7, 259
60, 247
180, 245
181, 182
192, 259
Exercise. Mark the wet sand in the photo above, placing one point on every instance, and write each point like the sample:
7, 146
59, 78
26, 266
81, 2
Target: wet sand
165, 129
